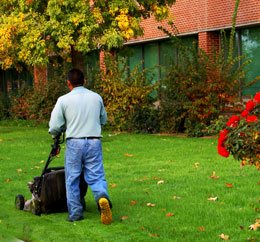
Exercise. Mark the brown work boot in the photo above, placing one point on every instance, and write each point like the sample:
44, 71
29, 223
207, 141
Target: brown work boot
105, 211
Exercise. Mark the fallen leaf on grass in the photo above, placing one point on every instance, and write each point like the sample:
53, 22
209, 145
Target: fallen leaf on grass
196, 165
156, 178
213, 199
113, 185
213, 176
8, 180
150, 205
133, 202
169, 214
124, 218
201, 228
128, 155
143, 179
160, 182
255, 226
243, 163
42, 161
19, 170
224, 236
176, 197
229, 185
37, 167
154, 235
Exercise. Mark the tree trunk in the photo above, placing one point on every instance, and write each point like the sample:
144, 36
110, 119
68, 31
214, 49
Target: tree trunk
77, 59
40, 74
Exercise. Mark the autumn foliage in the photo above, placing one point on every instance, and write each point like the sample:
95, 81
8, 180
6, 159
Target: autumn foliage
32, 31
122, 95
197, 89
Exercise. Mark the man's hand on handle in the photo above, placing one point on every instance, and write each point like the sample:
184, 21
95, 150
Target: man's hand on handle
56, 145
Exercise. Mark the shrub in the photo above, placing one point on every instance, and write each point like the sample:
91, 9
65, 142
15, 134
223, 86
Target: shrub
145, 120
207, 84
216, 125
4, 106
122, 94
198, 88
241, 135
37, 103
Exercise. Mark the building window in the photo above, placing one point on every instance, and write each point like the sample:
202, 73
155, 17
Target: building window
91, 65
167, 56
155, 57
250, 47
135, 57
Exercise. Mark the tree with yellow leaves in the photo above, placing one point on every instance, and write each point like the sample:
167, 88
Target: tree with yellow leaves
31, 31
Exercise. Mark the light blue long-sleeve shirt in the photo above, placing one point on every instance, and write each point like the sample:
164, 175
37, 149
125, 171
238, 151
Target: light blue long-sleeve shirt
81, 112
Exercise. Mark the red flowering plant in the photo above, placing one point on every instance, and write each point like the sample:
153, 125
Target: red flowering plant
241, 136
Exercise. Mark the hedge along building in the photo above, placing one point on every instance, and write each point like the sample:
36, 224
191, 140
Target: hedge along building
202, 20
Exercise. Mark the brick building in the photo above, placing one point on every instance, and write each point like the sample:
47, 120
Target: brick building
196, 20
202, 20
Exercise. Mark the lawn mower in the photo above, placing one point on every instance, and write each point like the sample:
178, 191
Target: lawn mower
49, 190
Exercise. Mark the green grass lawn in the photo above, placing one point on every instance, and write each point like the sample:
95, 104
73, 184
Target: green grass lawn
159, 186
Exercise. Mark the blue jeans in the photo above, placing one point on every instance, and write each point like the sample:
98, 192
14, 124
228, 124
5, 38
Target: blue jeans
83, 154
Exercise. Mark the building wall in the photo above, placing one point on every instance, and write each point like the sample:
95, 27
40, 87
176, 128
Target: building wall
197, 16
204, 19
209, 41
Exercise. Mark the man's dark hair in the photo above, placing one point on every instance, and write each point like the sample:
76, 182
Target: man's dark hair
76, 77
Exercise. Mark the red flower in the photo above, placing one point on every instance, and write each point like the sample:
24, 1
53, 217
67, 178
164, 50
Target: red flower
223, 151
221, 146
244, 113
222, 135
257, 97
233, 121
250, 105
251, 119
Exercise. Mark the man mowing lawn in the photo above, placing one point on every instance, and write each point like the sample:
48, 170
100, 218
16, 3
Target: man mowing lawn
81, 113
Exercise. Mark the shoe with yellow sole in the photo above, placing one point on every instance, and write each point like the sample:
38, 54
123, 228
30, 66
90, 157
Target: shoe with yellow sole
105, 211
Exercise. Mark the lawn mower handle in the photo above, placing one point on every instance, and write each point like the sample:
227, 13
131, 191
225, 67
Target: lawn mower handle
56, 144
54, 151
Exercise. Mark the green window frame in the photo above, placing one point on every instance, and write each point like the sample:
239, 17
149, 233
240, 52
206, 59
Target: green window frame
91, 65
250, 47
151, 61
155, 56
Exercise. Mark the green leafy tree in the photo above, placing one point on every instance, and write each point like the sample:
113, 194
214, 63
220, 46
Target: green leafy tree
31, 31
